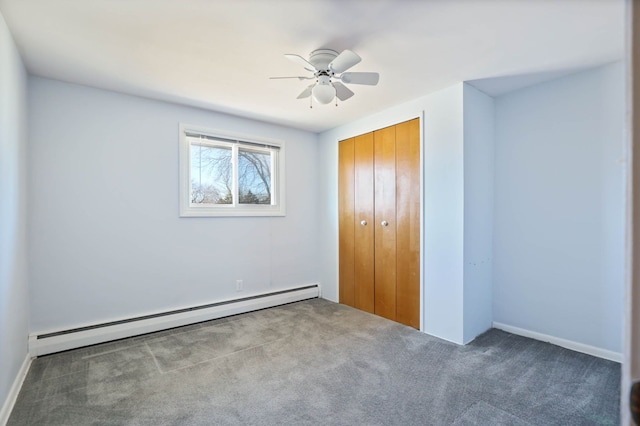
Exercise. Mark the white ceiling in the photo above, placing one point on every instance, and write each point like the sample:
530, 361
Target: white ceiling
219, 54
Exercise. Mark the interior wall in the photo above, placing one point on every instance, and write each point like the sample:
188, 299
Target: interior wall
479, 137
559, 208
14, 301
106, 239
443, 206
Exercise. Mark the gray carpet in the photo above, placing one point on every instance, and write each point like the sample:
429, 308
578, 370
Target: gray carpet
317, 362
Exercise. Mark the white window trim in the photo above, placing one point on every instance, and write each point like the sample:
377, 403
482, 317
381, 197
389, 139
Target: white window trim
187, 209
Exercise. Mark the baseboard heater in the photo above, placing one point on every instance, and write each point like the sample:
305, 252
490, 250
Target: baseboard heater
44, 343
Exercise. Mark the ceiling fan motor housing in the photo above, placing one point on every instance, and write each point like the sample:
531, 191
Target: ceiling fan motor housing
321, 58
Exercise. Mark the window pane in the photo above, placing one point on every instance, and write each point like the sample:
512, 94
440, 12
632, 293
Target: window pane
254, 176
211, 174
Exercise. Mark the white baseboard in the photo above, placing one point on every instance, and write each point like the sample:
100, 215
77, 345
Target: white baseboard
568, 344
15, 389
42, 343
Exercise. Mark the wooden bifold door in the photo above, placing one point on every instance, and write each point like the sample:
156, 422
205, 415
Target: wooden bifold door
379, 222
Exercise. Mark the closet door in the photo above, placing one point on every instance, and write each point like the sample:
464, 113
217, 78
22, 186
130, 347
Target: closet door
364, 224
346, 221
379, 221
408, 218
385, 222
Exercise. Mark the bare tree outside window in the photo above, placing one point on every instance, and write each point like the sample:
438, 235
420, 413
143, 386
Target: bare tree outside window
211, 174
254, 177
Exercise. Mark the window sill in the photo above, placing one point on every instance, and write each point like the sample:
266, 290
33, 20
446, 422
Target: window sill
231, 212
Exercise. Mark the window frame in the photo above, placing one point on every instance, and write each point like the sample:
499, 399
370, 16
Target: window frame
237, 142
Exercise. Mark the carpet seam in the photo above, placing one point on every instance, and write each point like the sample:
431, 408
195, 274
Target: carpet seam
155, 361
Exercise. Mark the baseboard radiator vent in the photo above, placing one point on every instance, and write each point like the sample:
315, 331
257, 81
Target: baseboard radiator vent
44, 343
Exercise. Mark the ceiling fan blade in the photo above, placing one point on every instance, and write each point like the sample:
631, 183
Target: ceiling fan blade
344, 61
299, 78
306, 92
342, 92
301, 61
368, 78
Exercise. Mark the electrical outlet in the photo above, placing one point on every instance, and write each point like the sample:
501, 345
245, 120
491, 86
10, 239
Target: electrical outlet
238, 285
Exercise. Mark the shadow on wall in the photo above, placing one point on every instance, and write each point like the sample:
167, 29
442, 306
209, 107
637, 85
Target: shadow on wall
498, 86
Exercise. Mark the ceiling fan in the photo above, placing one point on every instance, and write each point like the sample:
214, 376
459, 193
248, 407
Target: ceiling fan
328, 68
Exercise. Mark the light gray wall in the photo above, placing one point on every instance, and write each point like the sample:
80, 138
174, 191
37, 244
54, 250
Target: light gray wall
479, 135
105, 234
14, 301
559, 208
443, 203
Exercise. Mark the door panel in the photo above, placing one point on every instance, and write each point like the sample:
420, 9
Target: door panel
346, 221
408, 218
379, 181
385, 211
364, 234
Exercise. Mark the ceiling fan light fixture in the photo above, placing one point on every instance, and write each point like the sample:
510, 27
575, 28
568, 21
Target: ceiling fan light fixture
324, 92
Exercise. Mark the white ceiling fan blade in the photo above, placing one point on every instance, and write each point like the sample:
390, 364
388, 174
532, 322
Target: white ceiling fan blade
368, 78
301, 61
306, 92
342, 92
299, 78
344, 61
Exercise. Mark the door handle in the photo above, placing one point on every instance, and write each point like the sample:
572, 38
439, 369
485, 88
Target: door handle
384, 223
363, 223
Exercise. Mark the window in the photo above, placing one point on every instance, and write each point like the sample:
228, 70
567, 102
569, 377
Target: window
228, 175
